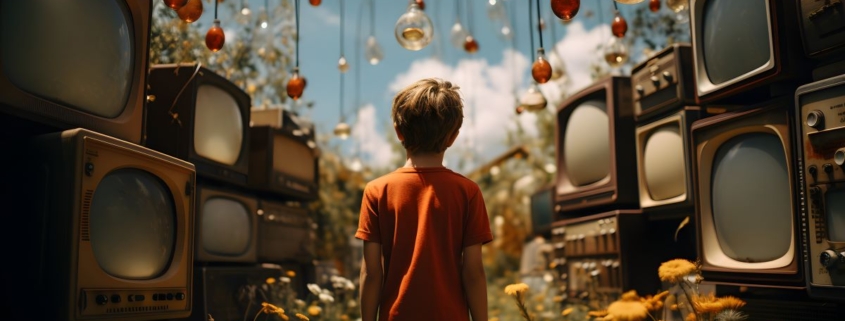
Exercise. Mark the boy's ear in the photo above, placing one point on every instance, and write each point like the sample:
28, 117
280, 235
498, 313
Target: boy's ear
398, 133
453, 138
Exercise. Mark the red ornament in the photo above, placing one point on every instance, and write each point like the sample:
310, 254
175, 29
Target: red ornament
654, 5
315, 3
296, 85
215, 38
191, 11
421, 4
541, 70
175, 4
519, 110
470, 45
619, 26
566, 9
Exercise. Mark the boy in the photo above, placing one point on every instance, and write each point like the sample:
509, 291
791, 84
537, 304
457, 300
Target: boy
423, 225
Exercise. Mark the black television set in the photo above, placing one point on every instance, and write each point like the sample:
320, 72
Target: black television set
746, 50
284, 162
285, 232
103, 230
226, 225
543, 212
64, 65
202, 117
823, 29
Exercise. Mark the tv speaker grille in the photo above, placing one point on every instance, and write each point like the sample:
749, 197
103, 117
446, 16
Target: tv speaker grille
84, 229
138, 309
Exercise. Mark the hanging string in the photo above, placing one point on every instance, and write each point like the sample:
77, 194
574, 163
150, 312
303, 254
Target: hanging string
512, 14
457, 10
342, 116
540, 28
215, 9
469, 18
297, 33
372, 18
266, 7
615, 6
531, 28
341, 27
358, 60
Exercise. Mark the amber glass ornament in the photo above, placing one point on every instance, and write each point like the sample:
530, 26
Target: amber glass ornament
215, 38
296, 85
470, 45
315, 2
519, 110
654, 5
541, 70
175, 4
191, 11
566, 9
421, 4
342, 130
619, 26
342, 64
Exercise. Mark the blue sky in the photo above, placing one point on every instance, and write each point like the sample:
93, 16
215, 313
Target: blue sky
487, 77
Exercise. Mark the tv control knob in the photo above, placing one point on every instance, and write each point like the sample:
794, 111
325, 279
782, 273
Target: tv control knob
101, 299
815, 119
640, 90
668, 76
829, 258
839, 157
655, 81
828, 168
813, 170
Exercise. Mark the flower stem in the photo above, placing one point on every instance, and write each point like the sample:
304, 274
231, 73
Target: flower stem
689, 298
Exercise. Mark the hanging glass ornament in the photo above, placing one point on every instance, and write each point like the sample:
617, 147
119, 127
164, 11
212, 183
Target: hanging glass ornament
458, 35
356, 165
315, 3
373, 51
496, 10
541, 70
342, 130
519, 109
421, 4
533, 99
342, 64
542, 24
413, 30
615, 52
506, 32
191, 11
296, 85
470, 45
566, 9
654, 5
677, 5
175, 4
215, 38
629, 1
619, 26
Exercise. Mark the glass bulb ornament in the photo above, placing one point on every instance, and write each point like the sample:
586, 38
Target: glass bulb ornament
296, 85
342, 64
342, 130
496, 10
541, 70
619, 27
470, 44
420, 3
615, 52
263, 18
629, 1
519, 110
315, 3
175, 4
215, 38
654, 5
458, 35
680, 7
506, 32
245, 10
373, 51
566, 9
356, 165
533, 99
413, 30
191, 11
558, 67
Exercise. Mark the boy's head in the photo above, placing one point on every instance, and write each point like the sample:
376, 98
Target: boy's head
427, 115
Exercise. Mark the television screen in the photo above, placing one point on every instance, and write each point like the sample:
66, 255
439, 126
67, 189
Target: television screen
664, 167
226, 225
736, 38
201, 117
293, 158
87, 67
542, 211
835, 207
745, 207
283, 161
594, 148
112, 233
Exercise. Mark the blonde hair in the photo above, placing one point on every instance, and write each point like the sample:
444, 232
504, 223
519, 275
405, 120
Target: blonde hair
427, 114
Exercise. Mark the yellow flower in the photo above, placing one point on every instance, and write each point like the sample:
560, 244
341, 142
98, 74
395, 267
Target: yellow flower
630, 296
707, 304
566, 312
290, 274
271, 280
732, 303
557, 298
494, 319
516, 289
690, 317
301, 317
627, 311
314, 310
673, 307
654, 303
675, 270
344, 318
597, 314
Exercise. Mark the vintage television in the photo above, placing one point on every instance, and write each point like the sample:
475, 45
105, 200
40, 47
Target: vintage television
226, 225
823, 29
283, 161
543, 211
663, 83
199, 116
821, 132
104, 229
285, 232
605, 254
87, 68
745, 50
746, 197
595, 149
234, 292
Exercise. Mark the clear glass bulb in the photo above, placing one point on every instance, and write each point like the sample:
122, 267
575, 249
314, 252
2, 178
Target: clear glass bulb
615, 52
356, 165
342, 130
413, 30
533, 99
263, 18
458, 35
342, 64
681, 8
245, 10
496, 10
373, 51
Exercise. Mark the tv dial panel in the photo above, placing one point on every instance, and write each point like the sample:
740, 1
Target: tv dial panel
821, 106
664, 82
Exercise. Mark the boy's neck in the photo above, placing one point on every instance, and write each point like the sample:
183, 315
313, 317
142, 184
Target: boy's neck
424, 160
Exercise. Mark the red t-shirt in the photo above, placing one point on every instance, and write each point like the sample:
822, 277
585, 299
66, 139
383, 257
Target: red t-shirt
423, 218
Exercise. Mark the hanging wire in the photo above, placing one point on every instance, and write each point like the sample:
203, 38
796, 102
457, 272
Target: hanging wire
360, 38
457, 10
297, 33
531, 28
539, 28
215, 9
342, 116
372, 18
266, 8
341, 27
469, 18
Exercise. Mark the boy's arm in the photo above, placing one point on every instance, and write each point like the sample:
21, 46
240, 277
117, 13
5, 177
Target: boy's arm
372, 277
475, 282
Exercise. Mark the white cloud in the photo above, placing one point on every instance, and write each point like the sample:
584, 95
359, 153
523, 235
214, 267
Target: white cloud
326, 16
373, 144
579, 50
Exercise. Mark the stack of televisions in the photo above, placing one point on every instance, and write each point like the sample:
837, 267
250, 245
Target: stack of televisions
138, 192
740, 131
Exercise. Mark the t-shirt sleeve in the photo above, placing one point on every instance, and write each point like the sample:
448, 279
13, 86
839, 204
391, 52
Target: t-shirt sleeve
368, 229
477, 230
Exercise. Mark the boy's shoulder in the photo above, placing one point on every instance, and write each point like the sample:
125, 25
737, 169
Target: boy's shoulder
444, 176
